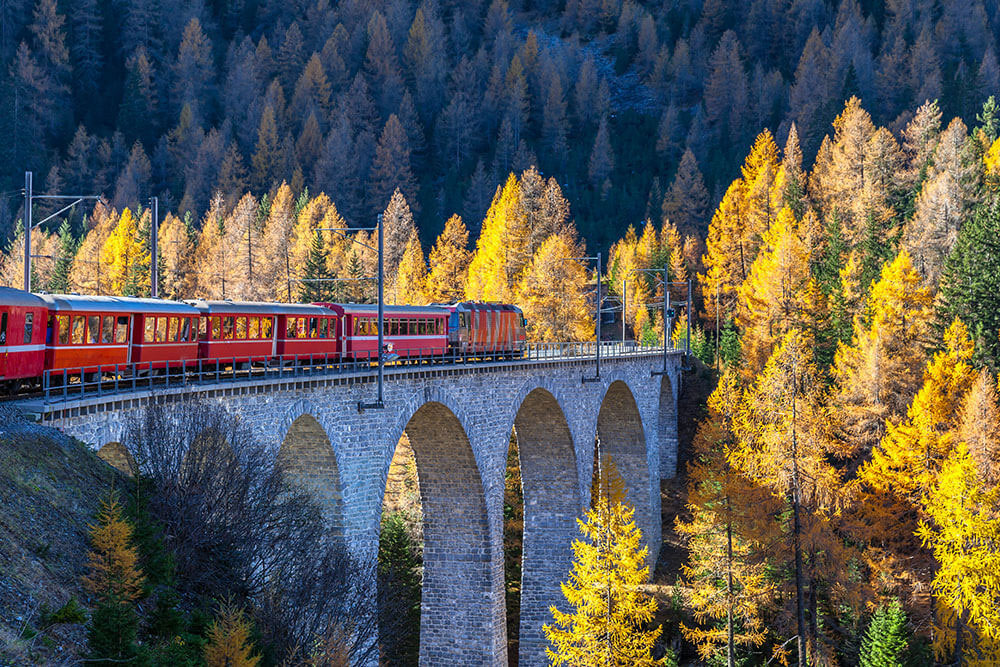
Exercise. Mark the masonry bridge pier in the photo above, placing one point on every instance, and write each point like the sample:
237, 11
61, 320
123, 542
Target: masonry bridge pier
458, 420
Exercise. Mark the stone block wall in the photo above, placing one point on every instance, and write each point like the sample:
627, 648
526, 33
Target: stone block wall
458, 421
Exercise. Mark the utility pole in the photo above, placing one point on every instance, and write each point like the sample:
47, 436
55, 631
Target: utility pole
154, 257
29, 224
597, 324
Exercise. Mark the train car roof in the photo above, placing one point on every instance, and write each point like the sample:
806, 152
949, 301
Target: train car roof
15, 297
255, 308
487, 305
372, 309
115, 304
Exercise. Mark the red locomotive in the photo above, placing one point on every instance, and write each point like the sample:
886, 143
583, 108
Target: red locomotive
104, 335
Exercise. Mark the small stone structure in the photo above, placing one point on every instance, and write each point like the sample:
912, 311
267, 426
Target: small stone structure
458, 421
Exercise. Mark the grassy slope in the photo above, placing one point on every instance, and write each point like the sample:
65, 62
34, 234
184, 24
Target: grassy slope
50, 487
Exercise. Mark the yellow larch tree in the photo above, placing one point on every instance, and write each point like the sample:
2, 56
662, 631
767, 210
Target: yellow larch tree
746, 212
764, 190
963, 531
176, 250
876, 376
838, 182
449, 263
781, 432
553, 293
12, 259
243, 251
229, 643
607, 627
980, 428
125, 258
87, 275
411, 277
726, 571
501, 250
623, 264
276, 265
113, 561
211, 280
905, 465
115, 580
778, 293
909, 457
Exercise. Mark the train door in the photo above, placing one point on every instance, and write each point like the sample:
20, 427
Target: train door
3, 344
274, 334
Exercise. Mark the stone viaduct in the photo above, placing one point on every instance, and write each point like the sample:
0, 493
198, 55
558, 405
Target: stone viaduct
458, 420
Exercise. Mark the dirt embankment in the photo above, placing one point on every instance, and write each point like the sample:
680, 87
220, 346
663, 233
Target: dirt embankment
50, 489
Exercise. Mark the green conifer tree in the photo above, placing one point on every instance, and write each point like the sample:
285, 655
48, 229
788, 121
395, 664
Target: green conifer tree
970, 285
887, 642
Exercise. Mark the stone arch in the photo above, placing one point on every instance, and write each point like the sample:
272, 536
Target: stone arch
115, 454
667, 428
551, 505
307, 457
621, 436
459, 607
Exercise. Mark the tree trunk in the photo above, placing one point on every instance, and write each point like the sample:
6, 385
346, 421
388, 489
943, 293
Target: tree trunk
730, 657
800, 612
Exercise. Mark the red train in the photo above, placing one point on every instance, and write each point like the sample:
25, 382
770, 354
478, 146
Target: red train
101, 335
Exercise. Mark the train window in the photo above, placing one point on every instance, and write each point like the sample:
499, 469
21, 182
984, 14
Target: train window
185, 329
227, 328
253, 330
202, 328
302, 330
313, 327
265, 327
149, 325
161, 329
62, 322
29, 321
172, 331
216, 328
93, 328
324, 324
241, 327
79, 328
290, 327
3, 328
108, 329
121, 330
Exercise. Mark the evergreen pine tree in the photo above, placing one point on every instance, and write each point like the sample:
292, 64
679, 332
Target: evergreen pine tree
312, 286
59, 278
887, 641
970, 285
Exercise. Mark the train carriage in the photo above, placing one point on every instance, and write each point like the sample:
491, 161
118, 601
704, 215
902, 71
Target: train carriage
22, 336
102, 332
241, 332
410, 331
478, 328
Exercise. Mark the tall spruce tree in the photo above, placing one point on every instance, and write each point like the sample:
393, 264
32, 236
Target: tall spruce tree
887, 641
970, 285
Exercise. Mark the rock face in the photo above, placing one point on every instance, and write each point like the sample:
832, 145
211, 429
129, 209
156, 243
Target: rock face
458, 421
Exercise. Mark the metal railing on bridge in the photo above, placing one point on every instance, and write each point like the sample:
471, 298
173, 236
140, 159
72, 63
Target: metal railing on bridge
101, 380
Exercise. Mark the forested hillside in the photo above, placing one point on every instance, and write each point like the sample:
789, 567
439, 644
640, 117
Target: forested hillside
633, 107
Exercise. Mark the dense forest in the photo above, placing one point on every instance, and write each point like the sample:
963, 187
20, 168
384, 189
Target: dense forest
634, 107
